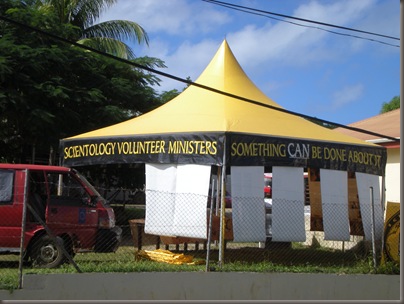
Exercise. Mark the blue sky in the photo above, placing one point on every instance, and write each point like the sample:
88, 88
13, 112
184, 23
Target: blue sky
306, 70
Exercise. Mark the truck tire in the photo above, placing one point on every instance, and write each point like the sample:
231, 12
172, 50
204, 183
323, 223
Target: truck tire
68, 244
46, 253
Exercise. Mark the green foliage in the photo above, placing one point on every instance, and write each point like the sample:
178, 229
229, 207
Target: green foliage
323, 124
393, 104
108, 36
389, 268
124, 214
50, 90
168, 95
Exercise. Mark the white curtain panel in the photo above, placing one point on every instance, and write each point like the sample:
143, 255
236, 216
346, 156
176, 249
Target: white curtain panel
160, 198
288, 205
190, 213
364, 183
334, 198
176, 198
248, 208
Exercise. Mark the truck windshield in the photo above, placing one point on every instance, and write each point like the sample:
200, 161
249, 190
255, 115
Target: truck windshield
90, 186
6, 185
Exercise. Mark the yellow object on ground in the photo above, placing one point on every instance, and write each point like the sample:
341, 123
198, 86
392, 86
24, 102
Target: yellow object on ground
391, 250
167, 256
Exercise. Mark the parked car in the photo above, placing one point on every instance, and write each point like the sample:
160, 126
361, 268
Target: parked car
268, 186
58, 200
227, 199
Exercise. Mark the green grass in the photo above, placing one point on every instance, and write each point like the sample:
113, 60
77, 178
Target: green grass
295, 258
243, 257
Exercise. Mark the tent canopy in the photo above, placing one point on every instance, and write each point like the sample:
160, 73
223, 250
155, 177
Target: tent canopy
201, 126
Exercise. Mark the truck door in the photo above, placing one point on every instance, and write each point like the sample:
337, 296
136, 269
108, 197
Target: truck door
11, 198
70, 209
37, 196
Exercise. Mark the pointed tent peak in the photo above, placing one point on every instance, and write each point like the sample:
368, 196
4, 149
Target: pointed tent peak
225, 46
226, 74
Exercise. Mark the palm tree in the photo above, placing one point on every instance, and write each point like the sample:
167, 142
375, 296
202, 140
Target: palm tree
106, 36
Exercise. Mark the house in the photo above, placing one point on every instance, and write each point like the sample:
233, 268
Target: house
387, 124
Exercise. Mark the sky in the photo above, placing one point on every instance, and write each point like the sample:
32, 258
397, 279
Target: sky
300, 65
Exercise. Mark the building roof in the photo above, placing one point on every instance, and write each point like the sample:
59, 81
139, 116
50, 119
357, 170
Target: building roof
386, 124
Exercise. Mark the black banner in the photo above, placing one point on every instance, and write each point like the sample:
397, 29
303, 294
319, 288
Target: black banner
247, 150
175, 149
241, 150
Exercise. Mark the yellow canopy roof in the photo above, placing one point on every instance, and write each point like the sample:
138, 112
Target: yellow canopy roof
200, 110
207, 127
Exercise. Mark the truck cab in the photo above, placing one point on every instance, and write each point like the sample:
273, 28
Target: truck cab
58, 209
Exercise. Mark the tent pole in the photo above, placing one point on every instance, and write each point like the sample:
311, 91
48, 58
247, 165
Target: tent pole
372, 207
383, 194
384, 205
24, 219
222, 207
210, 224
217, 196
218, 188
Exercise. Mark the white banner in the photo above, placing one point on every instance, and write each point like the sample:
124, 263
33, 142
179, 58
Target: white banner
365, 182
190, 214
334, 198
248, 208
176, 200
288, 205
160, 198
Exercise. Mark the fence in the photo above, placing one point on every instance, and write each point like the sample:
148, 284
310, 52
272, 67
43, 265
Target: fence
251, 232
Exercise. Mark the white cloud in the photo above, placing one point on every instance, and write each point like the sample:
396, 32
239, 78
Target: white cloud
384, 21
338, 13
185, 34
346, 96
182, 63
298, 45
173, 17
260, 41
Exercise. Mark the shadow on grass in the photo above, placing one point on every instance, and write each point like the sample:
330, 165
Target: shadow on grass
9, 264
283, 256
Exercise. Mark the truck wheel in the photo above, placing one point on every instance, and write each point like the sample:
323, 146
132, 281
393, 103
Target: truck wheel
46, 253
68, 243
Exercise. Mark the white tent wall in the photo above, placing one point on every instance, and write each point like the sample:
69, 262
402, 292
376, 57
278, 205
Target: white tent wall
334, 198
370, 205
160, 180
176, 198
248, 208
288, 223
190, 216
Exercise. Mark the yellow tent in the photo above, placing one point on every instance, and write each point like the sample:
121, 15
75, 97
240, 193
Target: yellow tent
203, 126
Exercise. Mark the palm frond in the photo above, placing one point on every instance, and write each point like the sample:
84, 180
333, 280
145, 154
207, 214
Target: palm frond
110, 46
82, 13
86, 12
118, 29
104, 36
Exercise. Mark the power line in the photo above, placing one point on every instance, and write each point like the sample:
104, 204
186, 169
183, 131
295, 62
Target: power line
193, 83
266, 13
300, 19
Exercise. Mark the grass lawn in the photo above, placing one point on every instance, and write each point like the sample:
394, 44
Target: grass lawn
294, 258
238, 257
